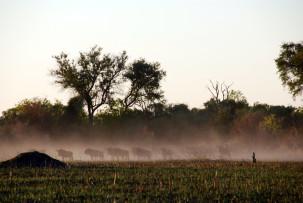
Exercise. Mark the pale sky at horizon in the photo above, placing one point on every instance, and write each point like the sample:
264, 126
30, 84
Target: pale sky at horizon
235, 41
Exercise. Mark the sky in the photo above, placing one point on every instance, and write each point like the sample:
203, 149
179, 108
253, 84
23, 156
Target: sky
195, 41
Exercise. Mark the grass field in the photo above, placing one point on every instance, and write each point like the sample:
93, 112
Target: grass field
156, 181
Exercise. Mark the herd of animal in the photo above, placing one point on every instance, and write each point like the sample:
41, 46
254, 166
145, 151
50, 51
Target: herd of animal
142, 154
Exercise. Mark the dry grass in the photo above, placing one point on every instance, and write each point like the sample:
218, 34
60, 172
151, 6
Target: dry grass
178, 180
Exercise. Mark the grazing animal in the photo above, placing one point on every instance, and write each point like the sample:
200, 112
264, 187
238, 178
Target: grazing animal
65, 154
141, 154
94, 154
224, 152
118, 153
167, 154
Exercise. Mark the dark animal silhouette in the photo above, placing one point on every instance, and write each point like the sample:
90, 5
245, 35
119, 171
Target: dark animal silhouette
65, 154
141, 154
224, 152
167, 154
118, 154
94, 154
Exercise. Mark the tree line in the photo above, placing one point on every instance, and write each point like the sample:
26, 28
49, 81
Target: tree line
229, 118
115, 99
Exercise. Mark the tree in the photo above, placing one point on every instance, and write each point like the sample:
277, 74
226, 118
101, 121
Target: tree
92, 77
247, 123
271, 124
74, 118
290, 67
144, 78
217, 88
237, 96
224, 106
31, 116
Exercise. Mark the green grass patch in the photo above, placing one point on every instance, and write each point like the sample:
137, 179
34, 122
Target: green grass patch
156, 181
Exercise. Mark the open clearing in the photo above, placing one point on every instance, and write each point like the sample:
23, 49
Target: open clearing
190, 180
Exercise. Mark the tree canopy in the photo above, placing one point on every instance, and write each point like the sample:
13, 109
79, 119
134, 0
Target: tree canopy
290, 67
98, 79
145, 84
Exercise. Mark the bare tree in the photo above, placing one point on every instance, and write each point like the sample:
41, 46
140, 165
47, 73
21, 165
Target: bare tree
215, 92
216, 88
225, 91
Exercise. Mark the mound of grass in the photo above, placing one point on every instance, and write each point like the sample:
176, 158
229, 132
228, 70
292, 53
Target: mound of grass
33, 160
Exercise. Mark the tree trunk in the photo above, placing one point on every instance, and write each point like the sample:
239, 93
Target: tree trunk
91, 122
90, 119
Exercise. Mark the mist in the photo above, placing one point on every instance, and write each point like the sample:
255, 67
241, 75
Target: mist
191, 145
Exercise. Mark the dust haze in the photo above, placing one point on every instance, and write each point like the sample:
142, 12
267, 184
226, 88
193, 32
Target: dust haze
188, 144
